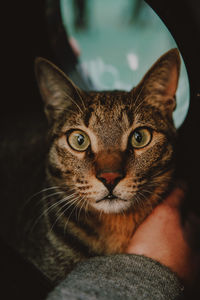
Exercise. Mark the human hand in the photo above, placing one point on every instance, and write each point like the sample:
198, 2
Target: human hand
161, 237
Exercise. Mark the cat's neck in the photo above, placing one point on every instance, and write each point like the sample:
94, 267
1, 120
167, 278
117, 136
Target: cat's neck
102, 233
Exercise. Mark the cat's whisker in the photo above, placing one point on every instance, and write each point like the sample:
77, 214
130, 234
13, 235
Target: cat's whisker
44, 190
146, 191
45, 212
86, 207
78, 207
51, 195
68, 204
142, 195
66, 223
77, 202
81, 207
41, 200
71, 202
100, 214
136, 201
57, 203
38, 193
60, 215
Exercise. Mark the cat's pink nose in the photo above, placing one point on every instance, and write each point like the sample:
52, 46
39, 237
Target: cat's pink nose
110, 178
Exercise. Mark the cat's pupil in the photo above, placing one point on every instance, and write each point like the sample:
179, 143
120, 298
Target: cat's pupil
80, 139
138, 136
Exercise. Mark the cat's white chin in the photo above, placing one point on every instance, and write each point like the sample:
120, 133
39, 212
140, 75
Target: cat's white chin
111, 206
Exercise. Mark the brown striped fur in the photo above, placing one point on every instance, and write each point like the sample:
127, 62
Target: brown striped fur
86, 223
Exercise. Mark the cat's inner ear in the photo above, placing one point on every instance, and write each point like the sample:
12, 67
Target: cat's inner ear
162, 79
57, 90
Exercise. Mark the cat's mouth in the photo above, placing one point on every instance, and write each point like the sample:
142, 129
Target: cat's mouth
110, 197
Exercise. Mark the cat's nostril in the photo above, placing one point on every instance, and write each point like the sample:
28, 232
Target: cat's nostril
110, 179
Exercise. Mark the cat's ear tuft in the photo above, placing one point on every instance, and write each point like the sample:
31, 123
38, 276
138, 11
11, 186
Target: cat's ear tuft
162, 79
57, 90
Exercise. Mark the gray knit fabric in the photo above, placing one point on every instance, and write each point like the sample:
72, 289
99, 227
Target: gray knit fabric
119, 277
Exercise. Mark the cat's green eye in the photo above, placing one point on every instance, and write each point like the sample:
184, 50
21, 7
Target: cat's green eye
141, 137
78, 140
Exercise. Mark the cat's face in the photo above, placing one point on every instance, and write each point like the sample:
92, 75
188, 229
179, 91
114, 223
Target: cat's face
112, 150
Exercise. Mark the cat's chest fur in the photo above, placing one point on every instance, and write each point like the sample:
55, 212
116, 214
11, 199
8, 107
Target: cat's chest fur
96, 234
115, 232
56, 245
60, 250
108, 234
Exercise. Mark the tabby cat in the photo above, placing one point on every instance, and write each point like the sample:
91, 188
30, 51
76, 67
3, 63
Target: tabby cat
110, 161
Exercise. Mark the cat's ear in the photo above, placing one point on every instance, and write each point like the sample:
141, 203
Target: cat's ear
58, 91
162, 80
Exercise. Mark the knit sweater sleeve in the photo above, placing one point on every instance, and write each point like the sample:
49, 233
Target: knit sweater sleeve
118, 277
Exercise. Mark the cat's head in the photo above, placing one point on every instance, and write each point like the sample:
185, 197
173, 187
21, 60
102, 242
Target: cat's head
111, 150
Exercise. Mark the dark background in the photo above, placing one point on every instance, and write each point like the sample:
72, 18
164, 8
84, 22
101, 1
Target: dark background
24, 37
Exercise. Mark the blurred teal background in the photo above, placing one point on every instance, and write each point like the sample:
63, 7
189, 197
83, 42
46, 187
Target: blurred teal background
118, 41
